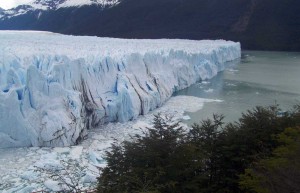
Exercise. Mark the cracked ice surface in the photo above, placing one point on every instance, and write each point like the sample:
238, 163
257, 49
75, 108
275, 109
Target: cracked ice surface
17, 171
54, 88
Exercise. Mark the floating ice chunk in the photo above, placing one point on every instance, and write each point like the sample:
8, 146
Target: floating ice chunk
95, 158
26, 189
209, 90
231, 84
141, 124
49, 162
52, 185
89, 178
186, 103
76, 152
49, 156
20, 189
205, 82
186, 117
62, 150
232, 71
29, 175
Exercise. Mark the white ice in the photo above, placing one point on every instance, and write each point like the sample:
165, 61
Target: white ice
54, 88
17, 165
45, 5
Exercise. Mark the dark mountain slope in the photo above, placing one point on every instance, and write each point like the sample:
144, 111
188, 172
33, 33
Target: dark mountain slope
257, 24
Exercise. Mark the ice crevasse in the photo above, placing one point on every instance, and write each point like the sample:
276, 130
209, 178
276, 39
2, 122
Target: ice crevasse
54, 87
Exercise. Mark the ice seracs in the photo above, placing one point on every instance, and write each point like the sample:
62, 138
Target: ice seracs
53, 87
19, 172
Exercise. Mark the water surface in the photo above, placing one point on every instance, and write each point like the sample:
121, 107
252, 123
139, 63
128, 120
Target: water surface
259, 78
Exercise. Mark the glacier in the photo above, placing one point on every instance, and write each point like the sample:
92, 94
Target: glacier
54, 88
18, 165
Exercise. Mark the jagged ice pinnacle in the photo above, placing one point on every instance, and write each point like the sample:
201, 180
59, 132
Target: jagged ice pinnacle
53, 87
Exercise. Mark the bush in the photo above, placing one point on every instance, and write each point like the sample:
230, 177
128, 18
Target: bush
210, 157
151, 163
279, 173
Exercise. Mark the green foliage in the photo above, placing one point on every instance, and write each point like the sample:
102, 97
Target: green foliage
250, 182
154, 162
211, 157
205, 139
237, 145
280, 172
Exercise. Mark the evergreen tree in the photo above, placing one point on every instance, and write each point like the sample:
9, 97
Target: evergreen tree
205, 138
209, 158
158, 161
279, 173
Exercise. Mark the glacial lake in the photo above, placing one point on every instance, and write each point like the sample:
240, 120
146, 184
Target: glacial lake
259, 79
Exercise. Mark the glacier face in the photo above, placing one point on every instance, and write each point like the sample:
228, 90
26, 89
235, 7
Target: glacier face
53, 87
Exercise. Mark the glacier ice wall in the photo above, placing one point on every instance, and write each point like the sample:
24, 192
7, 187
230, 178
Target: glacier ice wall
53, 87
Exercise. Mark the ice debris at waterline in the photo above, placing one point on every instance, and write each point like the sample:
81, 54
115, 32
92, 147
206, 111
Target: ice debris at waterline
55, 87
18, 166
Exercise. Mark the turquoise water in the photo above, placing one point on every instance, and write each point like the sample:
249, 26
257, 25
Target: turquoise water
259, 78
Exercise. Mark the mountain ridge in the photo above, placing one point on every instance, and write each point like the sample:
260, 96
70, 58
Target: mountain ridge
258, 25
46, 5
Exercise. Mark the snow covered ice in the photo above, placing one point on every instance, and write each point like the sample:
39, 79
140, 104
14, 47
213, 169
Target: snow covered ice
17, 165
22, 7
54, 88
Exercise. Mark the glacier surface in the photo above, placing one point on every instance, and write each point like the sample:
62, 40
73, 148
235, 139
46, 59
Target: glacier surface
53, 87
18, 172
